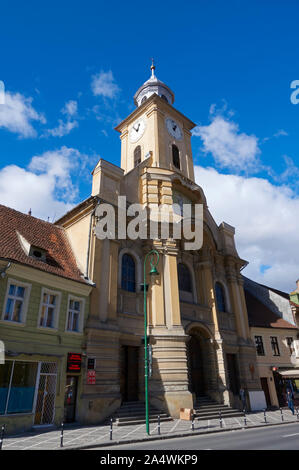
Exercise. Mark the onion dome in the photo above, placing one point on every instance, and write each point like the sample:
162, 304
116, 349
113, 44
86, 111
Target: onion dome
151, 86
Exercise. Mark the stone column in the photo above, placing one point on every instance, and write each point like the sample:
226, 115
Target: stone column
223, 393
169, 383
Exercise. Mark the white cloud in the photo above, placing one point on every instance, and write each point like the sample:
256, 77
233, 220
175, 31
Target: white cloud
45, 186
70, 109
266, 222
62, 129
103, 84
17, 115
230, 148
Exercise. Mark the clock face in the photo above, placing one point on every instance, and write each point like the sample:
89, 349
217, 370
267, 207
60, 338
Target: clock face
173, 129
137, 130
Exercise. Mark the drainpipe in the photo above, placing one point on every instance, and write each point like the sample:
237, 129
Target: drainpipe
89, 238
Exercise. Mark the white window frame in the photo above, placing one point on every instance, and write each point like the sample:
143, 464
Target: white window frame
294, 353
25, 301
296, 346
81, 317
56, 310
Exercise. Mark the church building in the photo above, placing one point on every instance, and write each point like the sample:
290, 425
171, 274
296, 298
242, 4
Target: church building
198, 328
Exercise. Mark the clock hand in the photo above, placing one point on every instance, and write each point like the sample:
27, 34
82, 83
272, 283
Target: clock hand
137, 127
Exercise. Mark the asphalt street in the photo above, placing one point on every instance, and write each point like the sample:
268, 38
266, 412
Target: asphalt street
282, 437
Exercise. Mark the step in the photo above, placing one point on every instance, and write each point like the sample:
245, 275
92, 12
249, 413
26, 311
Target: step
140, 421
121, 413
134, 413
140, 418
229, 414
212, 405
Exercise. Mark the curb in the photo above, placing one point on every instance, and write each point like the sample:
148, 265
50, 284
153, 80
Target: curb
173, 436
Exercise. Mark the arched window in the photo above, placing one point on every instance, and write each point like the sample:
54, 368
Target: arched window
176, 156
143, 99
137, 155
164, 98
128, 273
220, 297
184, 277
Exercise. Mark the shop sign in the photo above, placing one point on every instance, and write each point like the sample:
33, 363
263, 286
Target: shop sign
74, 362
91, 377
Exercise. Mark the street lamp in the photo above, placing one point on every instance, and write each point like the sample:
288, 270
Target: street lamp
154, 260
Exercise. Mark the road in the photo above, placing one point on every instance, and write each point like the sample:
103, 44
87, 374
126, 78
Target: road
282, 437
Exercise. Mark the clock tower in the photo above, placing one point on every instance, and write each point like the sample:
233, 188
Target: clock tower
156, 130
197, 321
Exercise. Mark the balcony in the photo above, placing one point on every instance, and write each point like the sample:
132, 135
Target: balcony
226, 321
196, 312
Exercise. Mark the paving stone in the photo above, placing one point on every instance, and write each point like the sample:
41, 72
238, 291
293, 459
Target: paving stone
94, 435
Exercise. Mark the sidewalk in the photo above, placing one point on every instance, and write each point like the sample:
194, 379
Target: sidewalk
96, 436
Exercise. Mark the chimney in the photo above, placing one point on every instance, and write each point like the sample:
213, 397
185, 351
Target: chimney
297, 282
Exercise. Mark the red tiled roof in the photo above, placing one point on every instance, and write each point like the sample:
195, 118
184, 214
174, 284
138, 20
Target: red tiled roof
261, 316
60, 259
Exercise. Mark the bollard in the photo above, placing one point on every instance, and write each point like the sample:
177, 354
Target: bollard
245, 420
61, 436
220, 419
297, 413
265, 418
111, 427
192, 422
1, 437
159, 430
281, 414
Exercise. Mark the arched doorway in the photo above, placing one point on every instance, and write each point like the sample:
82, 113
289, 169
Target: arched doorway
202, 363
195, 366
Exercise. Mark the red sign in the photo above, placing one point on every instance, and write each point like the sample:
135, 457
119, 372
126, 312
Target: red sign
73, 362
91, 377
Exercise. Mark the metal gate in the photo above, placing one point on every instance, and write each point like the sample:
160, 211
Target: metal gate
45, 399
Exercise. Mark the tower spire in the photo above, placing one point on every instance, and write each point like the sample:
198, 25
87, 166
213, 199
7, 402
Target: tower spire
153, 67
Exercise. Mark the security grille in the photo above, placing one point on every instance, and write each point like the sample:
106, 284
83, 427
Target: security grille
45, 402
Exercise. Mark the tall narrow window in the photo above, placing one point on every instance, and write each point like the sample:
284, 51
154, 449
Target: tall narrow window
15, 303
48, 310
259, 346
220, 297
290, 343
184, 278
137, 155
176, 156
128, 273
274, 345
74, 315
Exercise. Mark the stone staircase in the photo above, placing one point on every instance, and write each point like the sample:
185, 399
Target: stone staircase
133, 412
205, 409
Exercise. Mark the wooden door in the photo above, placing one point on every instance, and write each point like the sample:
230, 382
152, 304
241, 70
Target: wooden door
265, 387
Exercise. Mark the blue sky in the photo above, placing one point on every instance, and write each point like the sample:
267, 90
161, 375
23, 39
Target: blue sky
71, 69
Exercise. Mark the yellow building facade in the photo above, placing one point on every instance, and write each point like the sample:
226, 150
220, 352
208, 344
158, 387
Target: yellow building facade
197, 319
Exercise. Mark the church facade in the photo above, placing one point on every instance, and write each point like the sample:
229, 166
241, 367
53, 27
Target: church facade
198, 328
